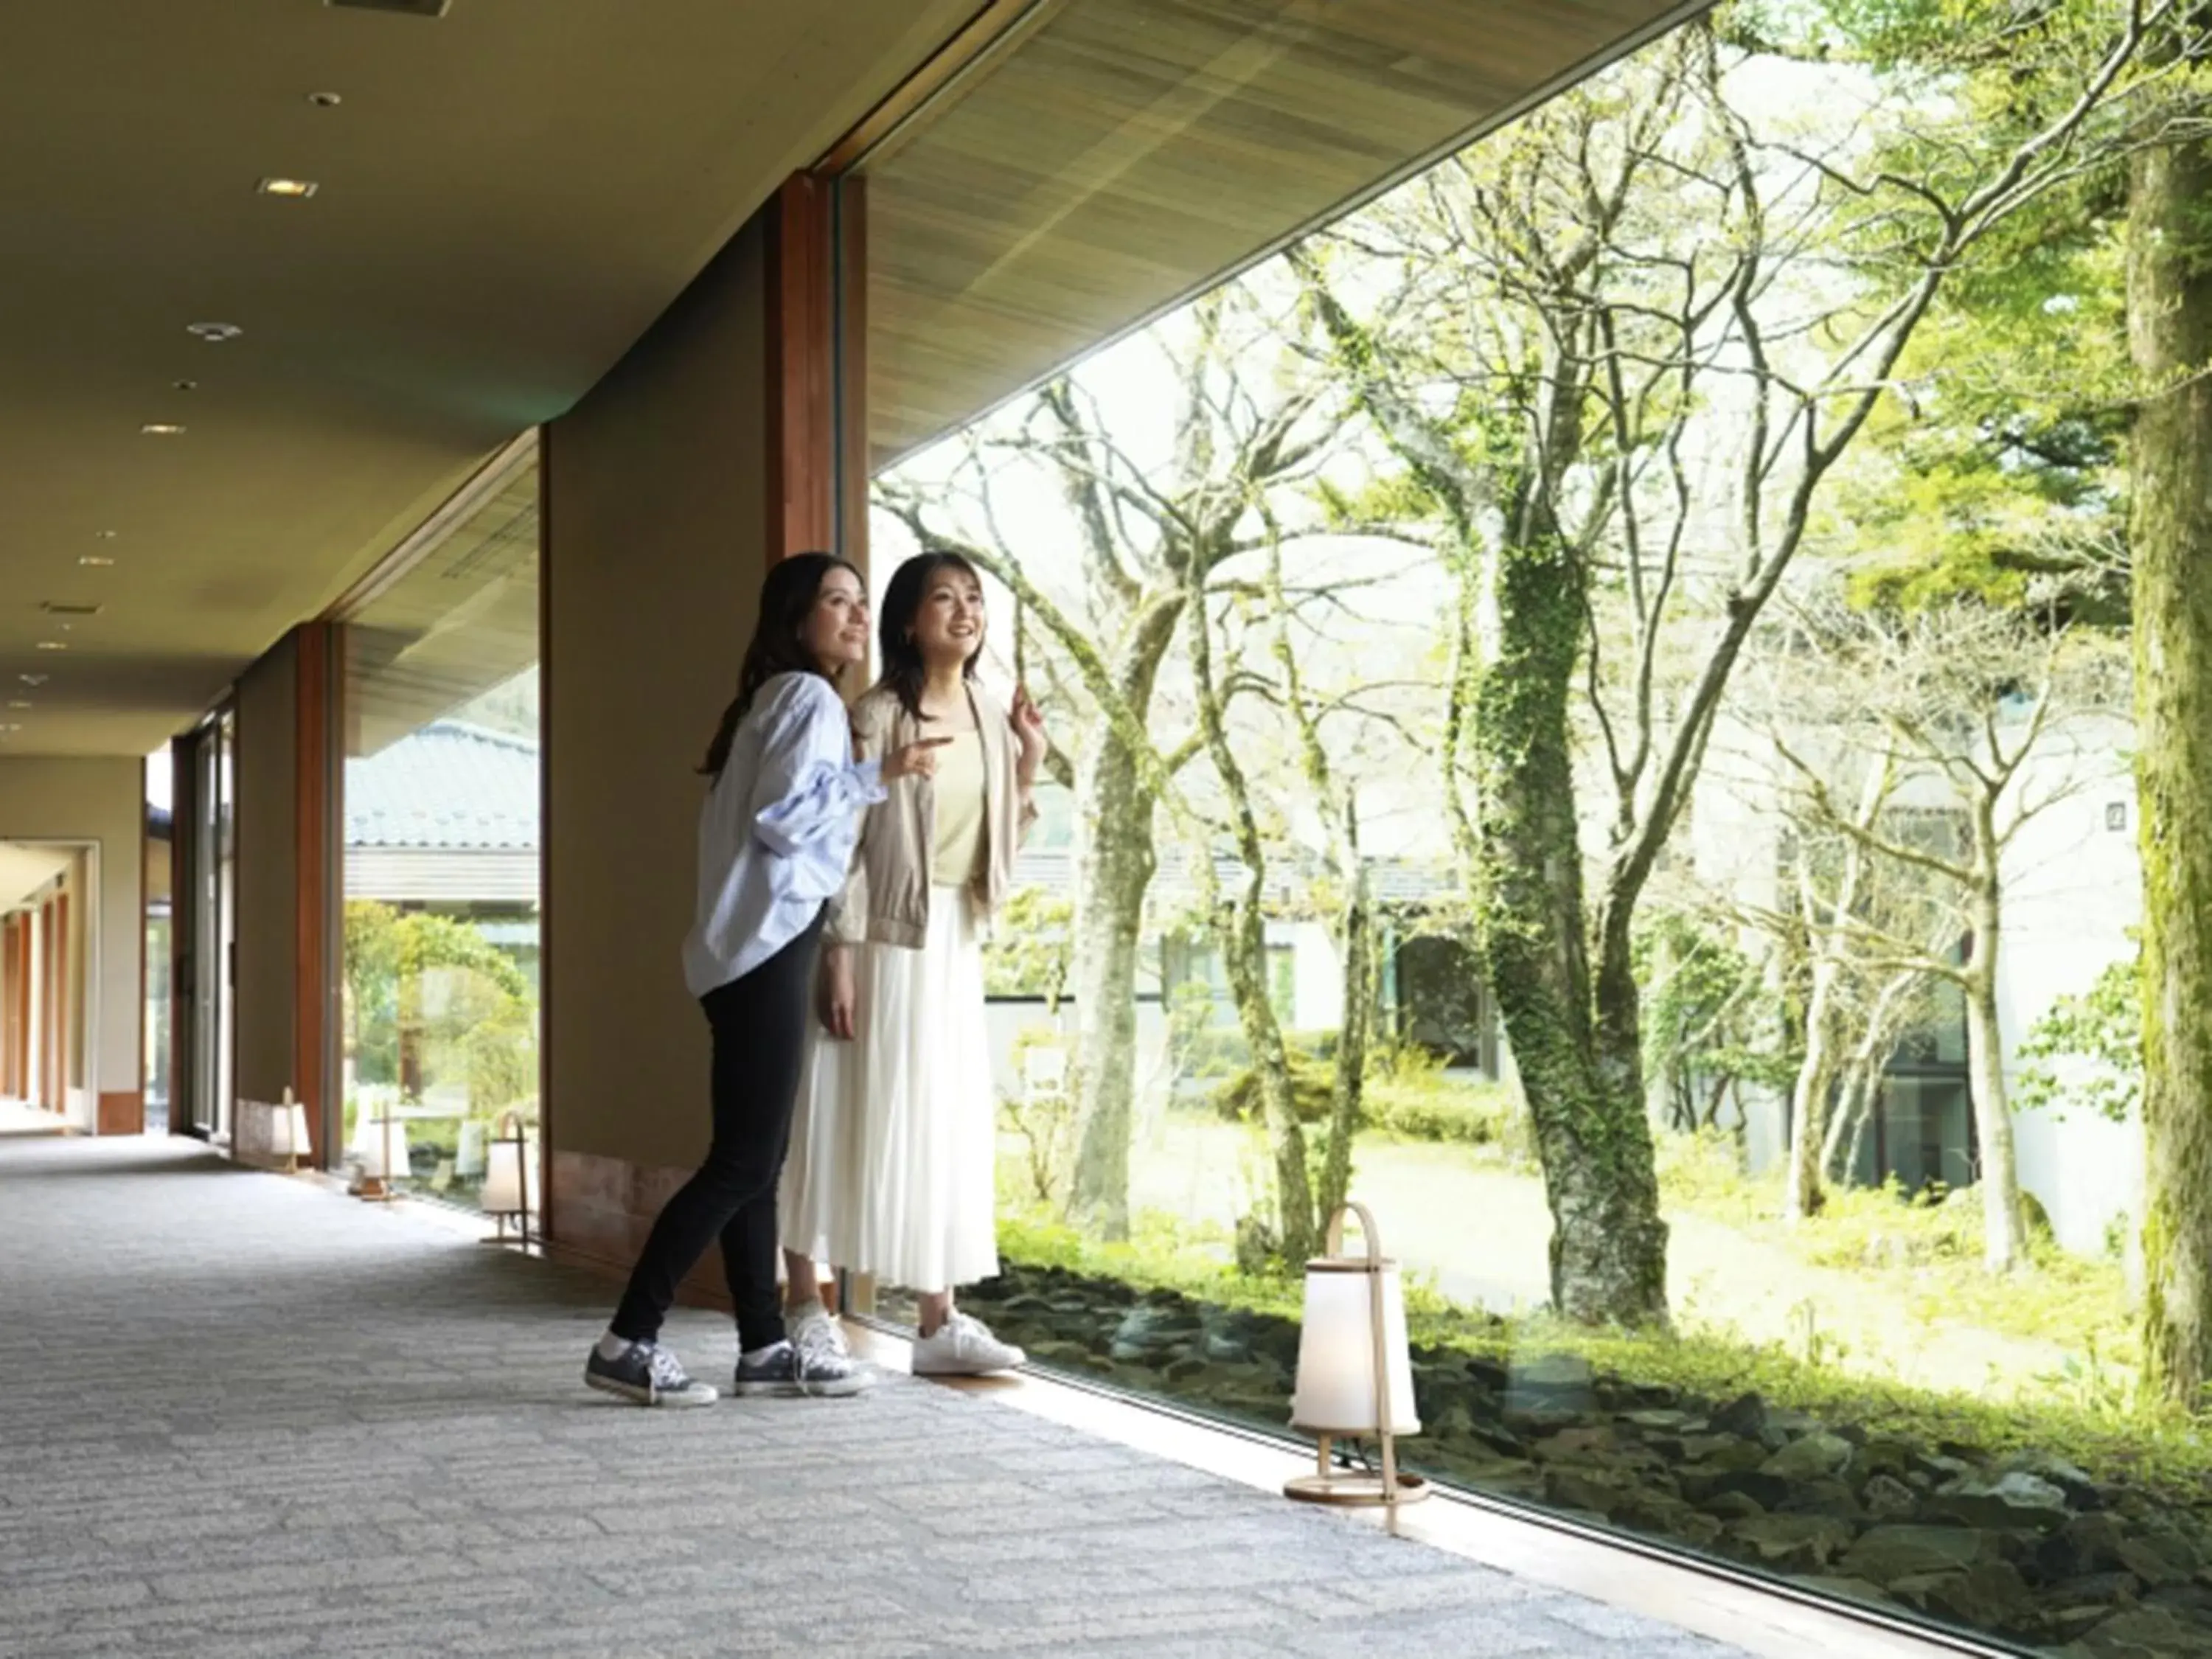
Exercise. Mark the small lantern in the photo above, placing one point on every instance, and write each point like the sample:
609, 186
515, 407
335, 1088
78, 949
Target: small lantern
287, 1134
380, 1148
1355, 1379
510, 1181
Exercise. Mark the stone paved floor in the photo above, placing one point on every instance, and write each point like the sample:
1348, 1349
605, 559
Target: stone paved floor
241, 1415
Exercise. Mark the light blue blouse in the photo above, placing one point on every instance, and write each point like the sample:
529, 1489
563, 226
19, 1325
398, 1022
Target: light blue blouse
776, 833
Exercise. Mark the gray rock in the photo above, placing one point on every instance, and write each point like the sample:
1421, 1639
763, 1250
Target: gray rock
2018, 1501
2085, 1545
1888, 1555
1744, 1417
1541, 1379
1733, 1506
1989, 1595
1794, 1543
2081, 1490
2159, 1558
2144, 1633
1813, 1458
1888, 1499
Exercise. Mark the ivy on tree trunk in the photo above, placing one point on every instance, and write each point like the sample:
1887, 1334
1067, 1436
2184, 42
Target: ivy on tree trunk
2170, 337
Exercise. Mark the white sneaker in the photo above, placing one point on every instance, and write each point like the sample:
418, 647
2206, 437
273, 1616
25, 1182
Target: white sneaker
814, 1331
964, 1346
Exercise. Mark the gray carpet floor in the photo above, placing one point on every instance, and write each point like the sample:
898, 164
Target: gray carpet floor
241, 1415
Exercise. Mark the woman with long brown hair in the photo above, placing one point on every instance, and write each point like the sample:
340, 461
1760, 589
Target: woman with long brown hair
776, 837
894, 1147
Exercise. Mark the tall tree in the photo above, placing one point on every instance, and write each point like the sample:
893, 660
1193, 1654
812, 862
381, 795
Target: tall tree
1642, 257
1965, 715
1152, 537
2170, 536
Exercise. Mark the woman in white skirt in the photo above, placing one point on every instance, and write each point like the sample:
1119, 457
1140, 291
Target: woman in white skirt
894, 1150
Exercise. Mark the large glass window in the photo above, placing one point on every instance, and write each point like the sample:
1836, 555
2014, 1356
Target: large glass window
439, 1041
1575, 662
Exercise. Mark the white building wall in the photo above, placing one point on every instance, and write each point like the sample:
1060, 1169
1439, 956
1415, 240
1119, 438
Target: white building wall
2073, 891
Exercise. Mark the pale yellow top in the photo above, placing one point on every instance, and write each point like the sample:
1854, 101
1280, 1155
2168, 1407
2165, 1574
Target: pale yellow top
960, 800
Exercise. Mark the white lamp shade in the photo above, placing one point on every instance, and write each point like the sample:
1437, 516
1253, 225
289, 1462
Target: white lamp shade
380, 1139
288, 1131
469, 1157
1335, 1393
510, 1178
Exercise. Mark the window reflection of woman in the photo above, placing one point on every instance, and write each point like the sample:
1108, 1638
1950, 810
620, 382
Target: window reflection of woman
893, 1154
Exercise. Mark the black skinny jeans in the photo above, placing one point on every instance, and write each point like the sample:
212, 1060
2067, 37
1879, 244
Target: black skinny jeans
760, 1042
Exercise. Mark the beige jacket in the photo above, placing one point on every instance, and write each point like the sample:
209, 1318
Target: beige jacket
886, 897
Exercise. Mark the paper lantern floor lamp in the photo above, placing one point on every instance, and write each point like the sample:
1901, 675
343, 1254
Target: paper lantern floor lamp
1355, 1378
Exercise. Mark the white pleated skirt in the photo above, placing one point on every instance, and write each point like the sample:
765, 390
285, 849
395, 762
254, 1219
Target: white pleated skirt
893, 1143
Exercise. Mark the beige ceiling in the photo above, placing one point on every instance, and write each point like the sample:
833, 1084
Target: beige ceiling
509, 196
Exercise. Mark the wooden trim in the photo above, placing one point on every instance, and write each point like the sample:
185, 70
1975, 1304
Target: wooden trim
547, 1106
849, 348
184, 922
313, 814
46, 987
63, 1021
993, 30
802, 404
122, 1113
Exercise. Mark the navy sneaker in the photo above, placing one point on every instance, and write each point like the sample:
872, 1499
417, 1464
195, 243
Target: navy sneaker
814, 1369
649, 1375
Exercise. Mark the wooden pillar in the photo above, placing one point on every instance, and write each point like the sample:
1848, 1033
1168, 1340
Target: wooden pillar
817, 367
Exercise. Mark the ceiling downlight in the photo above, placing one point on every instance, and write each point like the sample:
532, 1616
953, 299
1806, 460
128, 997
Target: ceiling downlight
404, 8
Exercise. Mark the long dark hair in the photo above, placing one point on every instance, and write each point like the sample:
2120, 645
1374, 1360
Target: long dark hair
905, 672
779, 642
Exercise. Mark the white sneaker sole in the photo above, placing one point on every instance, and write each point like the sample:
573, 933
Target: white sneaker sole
968, 1367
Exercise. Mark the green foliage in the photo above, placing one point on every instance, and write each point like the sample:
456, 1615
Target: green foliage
2086, 1052
1707, 1016
427, 988
1032, 947
1405, 1093
1045, 1122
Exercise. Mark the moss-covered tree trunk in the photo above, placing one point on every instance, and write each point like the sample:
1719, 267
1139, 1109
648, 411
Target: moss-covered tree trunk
1114, 859
2170, 335
1574, 1032
1114, 862
1347, 1106
1244, 941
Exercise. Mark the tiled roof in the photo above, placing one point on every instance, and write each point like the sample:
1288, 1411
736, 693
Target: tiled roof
448, 786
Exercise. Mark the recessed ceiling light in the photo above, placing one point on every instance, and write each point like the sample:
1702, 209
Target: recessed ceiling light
53, 645
34, 680
161, 429
296, 190
214, 333
324, 99
409, 8
94, 561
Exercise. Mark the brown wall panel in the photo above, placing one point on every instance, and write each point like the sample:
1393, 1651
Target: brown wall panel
657, 492
268, 871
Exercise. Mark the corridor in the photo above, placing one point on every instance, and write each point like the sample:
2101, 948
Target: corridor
248, 1417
